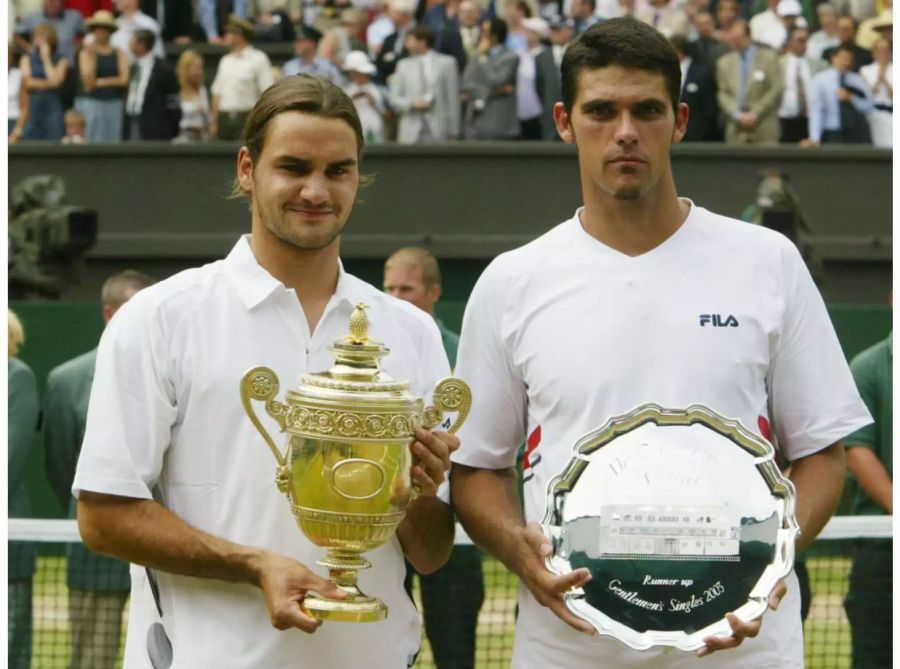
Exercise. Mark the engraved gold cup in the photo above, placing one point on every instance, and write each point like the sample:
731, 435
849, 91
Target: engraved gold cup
346, 468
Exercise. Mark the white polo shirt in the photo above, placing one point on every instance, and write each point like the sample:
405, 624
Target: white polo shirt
165, 420
565, 332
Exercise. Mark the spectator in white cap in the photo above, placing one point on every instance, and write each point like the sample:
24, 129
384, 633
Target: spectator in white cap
768, 27
367, 97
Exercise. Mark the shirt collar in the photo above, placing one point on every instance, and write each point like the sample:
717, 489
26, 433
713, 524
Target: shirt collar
255, 285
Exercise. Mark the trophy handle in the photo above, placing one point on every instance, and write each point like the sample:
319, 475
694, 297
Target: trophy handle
261, 383
450, 394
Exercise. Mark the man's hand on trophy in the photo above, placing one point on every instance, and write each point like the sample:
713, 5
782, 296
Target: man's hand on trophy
431, 459
741, 629
285, 583
548, 588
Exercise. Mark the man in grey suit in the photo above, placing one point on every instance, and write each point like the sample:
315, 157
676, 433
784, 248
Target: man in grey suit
424, 92
489, 86
547, 80
750, 82
98, 585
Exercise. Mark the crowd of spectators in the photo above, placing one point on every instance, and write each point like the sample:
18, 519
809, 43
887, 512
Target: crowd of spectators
753, 71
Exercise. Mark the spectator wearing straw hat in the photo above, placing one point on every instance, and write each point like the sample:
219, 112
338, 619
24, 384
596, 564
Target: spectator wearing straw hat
23, 411
103, 71
367, 97
306, 61
98, 585
243, 74
871, 30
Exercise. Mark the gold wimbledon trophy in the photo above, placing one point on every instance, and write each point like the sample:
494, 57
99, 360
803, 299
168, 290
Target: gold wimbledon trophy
346, 469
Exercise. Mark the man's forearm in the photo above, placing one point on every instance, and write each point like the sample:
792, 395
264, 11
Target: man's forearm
487, 504
872, 476
819, 480
426, 534
146, 533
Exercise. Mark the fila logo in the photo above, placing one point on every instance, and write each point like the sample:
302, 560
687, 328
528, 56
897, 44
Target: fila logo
717, 322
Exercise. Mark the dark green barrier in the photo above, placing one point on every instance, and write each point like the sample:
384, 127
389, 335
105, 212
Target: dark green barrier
58, 331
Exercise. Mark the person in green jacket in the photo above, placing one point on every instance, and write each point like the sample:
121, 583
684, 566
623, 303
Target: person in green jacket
23, 409
98, 585
870, 458
452, 596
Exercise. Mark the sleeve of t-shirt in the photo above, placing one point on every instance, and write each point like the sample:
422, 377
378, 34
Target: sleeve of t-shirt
132, 407
264, 76
495, 427
861, 368
814, 398
216, 88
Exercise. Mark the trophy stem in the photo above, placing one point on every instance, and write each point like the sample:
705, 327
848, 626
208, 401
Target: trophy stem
343, 570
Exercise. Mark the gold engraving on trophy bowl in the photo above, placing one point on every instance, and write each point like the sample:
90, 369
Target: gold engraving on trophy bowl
357, 478
347, 465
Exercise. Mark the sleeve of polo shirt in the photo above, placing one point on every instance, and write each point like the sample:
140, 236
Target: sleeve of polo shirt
217, 84
132, 407
264, 75
496, 424
813, 394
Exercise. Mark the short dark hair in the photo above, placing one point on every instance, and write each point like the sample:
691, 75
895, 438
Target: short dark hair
625, 42
843, 46
498, 29
146, 38
423, 34
302, 93
680, 42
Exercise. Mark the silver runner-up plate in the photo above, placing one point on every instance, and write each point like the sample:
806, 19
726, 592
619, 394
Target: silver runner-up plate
681, 516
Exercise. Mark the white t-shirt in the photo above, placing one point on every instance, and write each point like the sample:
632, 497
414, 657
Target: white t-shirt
565, 332
241, 78
165, 420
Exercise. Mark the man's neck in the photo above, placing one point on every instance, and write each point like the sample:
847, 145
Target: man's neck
313, 275
633, 227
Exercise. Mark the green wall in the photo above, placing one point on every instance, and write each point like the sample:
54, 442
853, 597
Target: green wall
57, 331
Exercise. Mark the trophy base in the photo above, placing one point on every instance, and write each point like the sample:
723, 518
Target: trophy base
357, 608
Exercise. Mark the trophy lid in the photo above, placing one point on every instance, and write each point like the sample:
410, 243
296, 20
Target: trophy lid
356, 370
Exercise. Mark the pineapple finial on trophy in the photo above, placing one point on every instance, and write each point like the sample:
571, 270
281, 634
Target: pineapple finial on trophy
359, 324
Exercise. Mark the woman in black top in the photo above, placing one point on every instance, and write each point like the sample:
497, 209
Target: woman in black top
103, 71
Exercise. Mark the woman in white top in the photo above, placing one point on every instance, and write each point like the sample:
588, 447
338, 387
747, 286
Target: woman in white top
880, 77
18, 100
194, 126
366, 96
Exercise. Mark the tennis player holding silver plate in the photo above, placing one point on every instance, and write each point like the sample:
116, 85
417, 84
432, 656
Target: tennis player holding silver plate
681, 516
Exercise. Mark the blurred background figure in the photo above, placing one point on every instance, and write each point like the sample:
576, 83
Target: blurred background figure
547, 73
876, 27
273, 20
528, 101
104, 76
826, 36
23, 414
879, 76
705, 46
841, 103
393, 47
98, 585
18, 99
76, 128
750, 85
846, 32
129, 21
43, 75
424, 92
453, 595
489, 86
153, 108
67, 25
698, 91
306, 60
869, 601
195, 106
243, 74
667, 17
799, 70
367, 97
348, 36
469, 27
